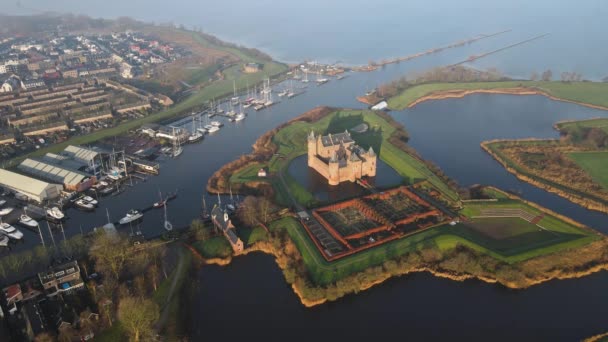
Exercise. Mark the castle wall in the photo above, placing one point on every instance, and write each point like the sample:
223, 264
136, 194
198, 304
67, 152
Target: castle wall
319, 166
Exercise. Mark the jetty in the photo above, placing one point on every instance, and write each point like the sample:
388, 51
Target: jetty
476, 57
375, 65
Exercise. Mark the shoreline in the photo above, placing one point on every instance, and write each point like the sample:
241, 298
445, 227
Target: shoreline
578, 271
585, 202
460, 93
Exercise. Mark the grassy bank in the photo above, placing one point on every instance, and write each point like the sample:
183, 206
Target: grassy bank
569, 180
592, 93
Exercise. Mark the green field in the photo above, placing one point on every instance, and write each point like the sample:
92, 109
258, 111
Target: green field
597, 123
595, 164
291, 141
508, 240
593, 93
215, 247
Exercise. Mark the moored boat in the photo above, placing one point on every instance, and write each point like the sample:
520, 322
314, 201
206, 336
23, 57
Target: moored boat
131, 216
27, 221
5, 211
10, 231
55, 213
84, 205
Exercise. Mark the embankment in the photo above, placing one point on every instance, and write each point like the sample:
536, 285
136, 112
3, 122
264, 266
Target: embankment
460, 93
567, 264
263, 150
583, 201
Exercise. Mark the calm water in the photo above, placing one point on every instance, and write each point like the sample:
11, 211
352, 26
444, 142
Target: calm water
314, 182
355, 31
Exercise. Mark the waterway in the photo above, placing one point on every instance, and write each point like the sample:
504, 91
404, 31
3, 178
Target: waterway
251, 294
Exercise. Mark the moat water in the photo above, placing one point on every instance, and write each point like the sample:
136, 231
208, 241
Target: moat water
316, 184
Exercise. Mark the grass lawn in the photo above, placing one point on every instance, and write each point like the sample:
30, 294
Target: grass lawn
587, 92
215, 247
251, 236
595, 163
598, 123
115, 333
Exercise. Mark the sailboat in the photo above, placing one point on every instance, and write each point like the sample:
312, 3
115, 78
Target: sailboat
235, 99
160, 203
290, 93
321, 80
168, 226
196, 135
240, 116
305, 80
231, 205
177, 148
205, 214
211, 128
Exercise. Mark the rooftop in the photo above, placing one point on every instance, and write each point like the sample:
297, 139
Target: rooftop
336, 139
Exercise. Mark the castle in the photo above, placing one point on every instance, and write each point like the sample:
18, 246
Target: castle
337, 158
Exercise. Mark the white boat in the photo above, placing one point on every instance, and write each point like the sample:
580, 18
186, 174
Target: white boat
283, 93
259, 107
216, 124
3, 240
5, 211
90, 200
27, 221
178, 151
239, 117
201, 130
2, 202
21, 197
82, 204
322, 80
195, 137
247, 105
10, 231
230, 207
55, 213
213, 129
132, 215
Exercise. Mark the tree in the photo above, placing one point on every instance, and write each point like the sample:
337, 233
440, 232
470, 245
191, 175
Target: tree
66, 333
44, 337
86, 322
547, 75
248, 211
137, 316
153, 275
110, 254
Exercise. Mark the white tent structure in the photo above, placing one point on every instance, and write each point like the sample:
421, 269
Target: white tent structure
33, 188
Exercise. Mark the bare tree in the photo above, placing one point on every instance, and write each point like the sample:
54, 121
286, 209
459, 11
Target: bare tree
110, 254
138, 316
547, 75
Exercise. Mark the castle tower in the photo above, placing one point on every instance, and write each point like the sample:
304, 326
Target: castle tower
370, 163
334, 170
312, 147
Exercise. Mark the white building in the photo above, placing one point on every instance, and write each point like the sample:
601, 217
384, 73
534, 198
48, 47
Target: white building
33, 188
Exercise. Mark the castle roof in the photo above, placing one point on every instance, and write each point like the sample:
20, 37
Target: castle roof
311, 136
335, 139
371, 152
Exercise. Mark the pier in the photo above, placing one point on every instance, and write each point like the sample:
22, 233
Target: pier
476, 57
373, 66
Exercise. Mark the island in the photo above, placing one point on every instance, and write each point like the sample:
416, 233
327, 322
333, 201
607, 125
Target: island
369, 230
